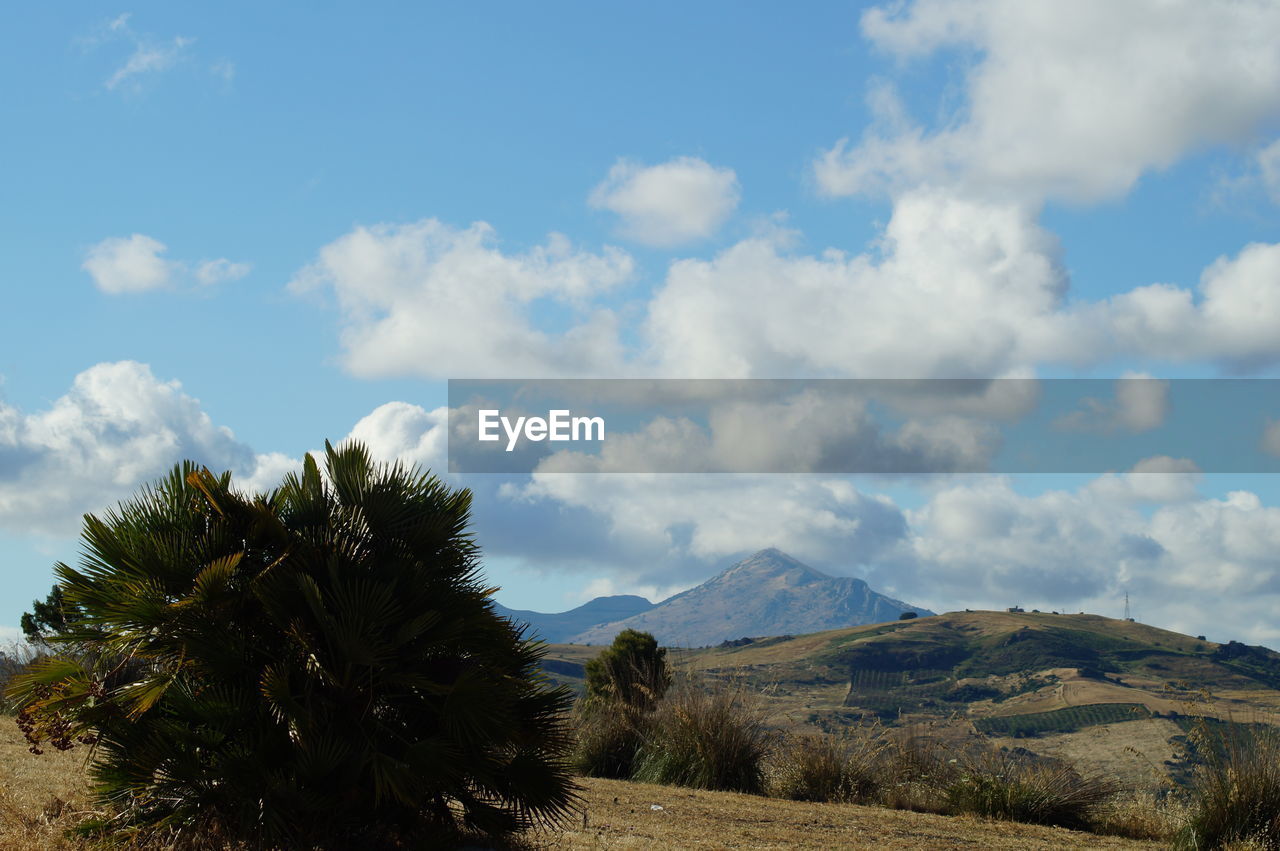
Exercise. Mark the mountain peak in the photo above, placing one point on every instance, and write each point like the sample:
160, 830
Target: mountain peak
772, 560
767, 593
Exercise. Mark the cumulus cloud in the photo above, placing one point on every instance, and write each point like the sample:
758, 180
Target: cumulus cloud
117, 427
132, 264
1233, 317
128, 264
1156, 480
399, 431
679, 201
956, 289
433, 300
1066, 100
661, 530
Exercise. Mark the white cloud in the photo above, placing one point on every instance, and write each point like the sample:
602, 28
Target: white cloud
429, 299
666, 522
957, 289
148, 58
1156, 480
128, 264
132, 264
1070, 100
117, 427
399, 431
215, 271
679, 201
1235, 319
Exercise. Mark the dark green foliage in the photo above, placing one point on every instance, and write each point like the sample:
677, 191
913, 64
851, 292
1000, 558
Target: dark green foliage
970, 692
316, 667
47, 618
632, 670
1066, 720
907, 616
1036, 650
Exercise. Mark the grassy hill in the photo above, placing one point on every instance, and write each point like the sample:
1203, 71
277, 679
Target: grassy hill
1032, 680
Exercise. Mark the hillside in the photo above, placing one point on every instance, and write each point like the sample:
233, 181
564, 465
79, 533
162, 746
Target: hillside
1084, 686
769, 593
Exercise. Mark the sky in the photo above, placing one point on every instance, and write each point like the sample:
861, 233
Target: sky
235, 231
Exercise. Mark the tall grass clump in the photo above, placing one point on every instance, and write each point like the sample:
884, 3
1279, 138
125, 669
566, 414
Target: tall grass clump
825, 768
706, 738
1001, 785
1236, 792
912, 770
608, 738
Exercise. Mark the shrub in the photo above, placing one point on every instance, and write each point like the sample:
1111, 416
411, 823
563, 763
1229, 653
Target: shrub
319, 666
912, 771
1236, 792
707, 739
825, 768
1001, 785
632, 670
608, 738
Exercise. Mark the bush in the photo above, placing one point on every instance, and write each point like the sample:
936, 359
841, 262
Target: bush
319, 666
608, 739
825, 769
706, 739
1001, 785
1236, 792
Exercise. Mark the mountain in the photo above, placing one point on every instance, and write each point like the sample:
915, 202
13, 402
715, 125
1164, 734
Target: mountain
769, 593
562, 626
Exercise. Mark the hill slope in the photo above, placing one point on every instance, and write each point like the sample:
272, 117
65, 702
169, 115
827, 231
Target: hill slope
769, 593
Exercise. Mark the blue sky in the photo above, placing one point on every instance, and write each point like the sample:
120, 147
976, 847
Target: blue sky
275, 208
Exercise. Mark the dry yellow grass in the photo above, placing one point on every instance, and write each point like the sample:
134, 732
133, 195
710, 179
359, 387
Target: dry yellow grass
620, 815
42, 796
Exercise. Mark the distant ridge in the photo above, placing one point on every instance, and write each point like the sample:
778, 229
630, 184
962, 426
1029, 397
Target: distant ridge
769, 593
562, 626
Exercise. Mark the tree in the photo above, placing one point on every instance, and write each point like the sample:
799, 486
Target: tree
632, 670
46, 618
319, 666
906, 616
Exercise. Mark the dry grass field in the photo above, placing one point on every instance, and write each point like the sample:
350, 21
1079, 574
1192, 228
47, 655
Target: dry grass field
42, 796
621, 815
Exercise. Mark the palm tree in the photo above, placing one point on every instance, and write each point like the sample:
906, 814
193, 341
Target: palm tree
316, 666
